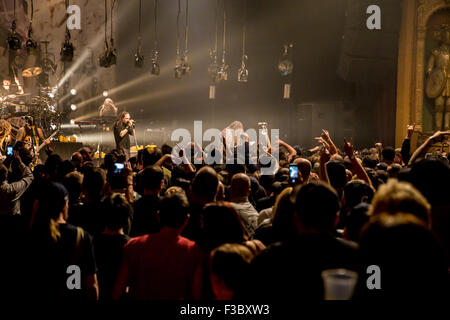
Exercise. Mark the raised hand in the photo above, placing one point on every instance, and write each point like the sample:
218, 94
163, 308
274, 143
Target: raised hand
410, 130
325, 135
322, 141
348, 148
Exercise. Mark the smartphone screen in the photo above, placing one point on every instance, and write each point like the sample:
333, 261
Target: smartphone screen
293, 172
9, 150
119, 167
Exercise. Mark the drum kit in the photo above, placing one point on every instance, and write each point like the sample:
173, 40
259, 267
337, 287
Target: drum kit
43, 108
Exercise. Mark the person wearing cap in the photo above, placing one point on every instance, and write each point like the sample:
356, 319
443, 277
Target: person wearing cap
62, 255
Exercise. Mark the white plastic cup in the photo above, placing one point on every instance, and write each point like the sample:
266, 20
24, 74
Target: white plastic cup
339, 284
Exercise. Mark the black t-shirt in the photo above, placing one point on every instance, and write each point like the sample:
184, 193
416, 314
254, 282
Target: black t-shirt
145, 218
122, 142
108, 254
90, 216
50, 262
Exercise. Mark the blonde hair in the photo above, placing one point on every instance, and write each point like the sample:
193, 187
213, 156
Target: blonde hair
394, 197
55, 233
5, 131
174, 189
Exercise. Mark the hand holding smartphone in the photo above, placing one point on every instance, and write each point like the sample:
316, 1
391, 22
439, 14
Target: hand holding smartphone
293, 173
9, 151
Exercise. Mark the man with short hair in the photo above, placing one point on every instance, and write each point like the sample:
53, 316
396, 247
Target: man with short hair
296, 266
239, 192
161, 266
109, 244
304, 168
86, 154
145, 218
388, 155
203, 190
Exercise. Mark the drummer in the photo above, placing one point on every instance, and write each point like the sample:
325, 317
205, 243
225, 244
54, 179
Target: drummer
108, 109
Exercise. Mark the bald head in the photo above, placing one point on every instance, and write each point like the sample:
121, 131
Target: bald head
240, 186
108, 102
304, 167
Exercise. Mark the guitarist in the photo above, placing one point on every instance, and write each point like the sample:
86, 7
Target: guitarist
31, 135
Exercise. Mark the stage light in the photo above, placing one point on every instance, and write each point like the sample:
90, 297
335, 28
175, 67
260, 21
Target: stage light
72, 121
285, 65
155, 63
73, 107
14, 41
51, 95
67, 49
105, 93
139, 59
73, 91
32, 65
108, 59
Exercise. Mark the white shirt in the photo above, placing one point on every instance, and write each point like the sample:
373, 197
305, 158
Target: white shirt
248, 215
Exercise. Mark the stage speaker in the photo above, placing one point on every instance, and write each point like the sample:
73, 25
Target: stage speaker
310, 118
63, 149
369, 55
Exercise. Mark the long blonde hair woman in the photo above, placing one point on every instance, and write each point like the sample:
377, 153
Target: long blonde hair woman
5, 134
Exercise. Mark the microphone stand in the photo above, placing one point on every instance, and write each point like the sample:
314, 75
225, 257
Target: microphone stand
135, 140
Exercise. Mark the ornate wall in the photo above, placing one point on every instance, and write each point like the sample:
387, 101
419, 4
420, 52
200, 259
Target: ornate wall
411, 63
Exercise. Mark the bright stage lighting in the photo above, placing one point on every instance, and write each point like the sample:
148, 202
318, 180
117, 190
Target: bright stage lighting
73, 107
105, 93
73, 91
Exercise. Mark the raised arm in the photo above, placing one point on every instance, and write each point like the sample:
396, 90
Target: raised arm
292, 152
437, 136
406, 145
324, 158
357, 167
326, 137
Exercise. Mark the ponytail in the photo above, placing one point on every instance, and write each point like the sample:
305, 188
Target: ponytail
55, 234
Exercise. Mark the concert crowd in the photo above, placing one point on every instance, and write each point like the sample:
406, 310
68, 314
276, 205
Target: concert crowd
143, 228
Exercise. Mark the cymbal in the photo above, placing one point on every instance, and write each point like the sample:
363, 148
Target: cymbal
15, 96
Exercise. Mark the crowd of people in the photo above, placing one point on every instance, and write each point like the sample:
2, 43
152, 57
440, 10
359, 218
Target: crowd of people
154, 230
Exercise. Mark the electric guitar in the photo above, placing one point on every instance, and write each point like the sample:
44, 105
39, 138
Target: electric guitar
35, 161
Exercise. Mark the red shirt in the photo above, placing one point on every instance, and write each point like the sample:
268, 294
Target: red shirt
161, 266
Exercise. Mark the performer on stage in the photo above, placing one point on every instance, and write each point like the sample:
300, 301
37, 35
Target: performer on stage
30, 134
123, 128
108, 109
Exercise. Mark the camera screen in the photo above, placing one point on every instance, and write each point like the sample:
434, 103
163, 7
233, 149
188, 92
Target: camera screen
119, 167
293, 172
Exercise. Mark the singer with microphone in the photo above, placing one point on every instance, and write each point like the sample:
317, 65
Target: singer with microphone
123, 128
